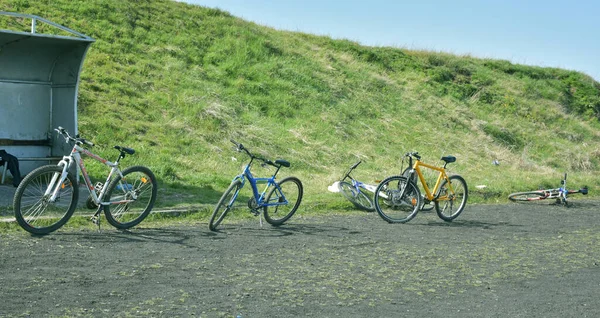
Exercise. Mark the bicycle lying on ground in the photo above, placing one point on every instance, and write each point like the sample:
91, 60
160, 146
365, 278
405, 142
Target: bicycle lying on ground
398, 198
277, 202
48, 196
353, 190
560, 194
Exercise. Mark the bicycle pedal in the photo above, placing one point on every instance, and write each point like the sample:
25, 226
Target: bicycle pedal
96, 220
255, 212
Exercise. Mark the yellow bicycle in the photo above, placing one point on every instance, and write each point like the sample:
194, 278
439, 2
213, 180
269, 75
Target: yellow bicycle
398, 198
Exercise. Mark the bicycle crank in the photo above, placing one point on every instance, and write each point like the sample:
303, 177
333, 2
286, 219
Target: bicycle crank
253, 207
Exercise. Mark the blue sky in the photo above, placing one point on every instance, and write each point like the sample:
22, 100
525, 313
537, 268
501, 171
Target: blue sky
550, 33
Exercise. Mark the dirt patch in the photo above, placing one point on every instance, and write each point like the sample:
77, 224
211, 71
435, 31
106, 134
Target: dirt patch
515, 260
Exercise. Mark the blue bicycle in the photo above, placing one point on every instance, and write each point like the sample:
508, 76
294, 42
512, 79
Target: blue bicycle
277, 202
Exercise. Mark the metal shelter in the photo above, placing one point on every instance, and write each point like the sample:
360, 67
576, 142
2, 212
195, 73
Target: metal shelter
39, 79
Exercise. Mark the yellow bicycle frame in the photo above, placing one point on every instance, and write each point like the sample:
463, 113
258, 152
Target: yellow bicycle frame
441, 176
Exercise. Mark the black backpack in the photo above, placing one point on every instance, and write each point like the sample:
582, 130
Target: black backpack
12, 164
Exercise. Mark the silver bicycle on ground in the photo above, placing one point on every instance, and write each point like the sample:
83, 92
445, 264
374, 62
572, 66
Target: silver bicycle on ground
559, 194
354, 190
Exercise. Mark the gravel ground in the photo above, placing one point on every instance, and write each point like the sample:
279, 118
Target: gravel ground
513, 260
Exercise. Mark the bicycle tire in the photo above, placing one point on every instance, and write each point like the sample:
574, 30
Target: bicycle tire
292, 189
426, 207
393, 208
226, 202
358, 198
461, 194
33, 212
527, 196
137, 182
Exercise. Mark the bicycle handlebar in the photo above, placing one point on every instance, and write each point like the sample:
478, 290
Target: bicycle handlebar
413, 154
78, 140
347, 174
240, 147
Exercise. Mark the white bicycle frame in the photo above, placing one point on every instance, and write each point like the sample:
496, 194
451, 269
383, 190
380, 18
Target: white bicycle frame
369, 187
75, 156
357, 184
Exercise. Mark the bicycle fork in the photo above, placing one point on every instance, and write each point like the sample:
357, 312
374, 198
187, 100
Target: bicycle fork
56, 184
403, 189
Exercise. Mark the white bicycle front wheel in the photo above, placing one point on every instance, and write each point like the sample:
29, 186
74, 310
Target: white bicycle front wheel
34, 210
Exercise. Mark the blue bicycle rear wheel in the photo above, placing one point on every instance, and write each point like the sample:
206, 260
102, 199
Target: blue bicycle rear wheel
289, 189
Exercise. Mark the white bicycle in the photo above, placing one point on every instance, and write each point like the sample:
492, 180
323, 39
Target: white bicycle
354, 190
48, 196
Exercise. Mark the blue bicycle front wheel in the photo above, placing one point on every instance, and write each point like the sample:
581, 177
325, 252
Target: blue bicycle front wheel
224, 205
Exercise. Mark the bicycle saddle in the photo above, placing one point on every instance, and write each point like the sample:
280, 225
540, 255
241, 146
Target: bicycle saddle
282, 162
449, 159
125, 149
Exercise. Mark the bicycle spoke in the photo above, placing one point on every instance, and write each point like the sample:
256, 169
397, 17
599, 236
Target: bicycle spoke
289, 195
224, 205
357, 197
451, 198
131, 198
33, 210
396, 200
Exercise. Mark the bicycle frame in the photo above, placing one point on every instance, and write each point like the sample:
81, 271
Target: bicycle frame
430, 193
558, 193
358, 184
259, 197
75, 157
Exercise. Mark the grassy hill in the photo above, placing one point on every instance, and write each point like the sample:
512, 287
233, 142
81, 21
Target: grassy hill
177, 81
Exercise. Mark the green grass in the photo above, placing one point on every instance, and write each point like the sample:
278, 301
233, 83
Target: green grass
176, 82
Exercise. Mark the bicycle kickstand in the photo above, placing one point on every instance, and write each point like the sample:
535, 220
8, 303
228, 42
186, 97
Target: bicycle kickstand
96, 217
258, 213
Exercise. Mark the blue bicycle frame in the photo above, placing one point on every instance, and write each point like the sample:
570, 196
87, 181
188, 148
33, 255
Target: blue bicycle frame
260, 197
